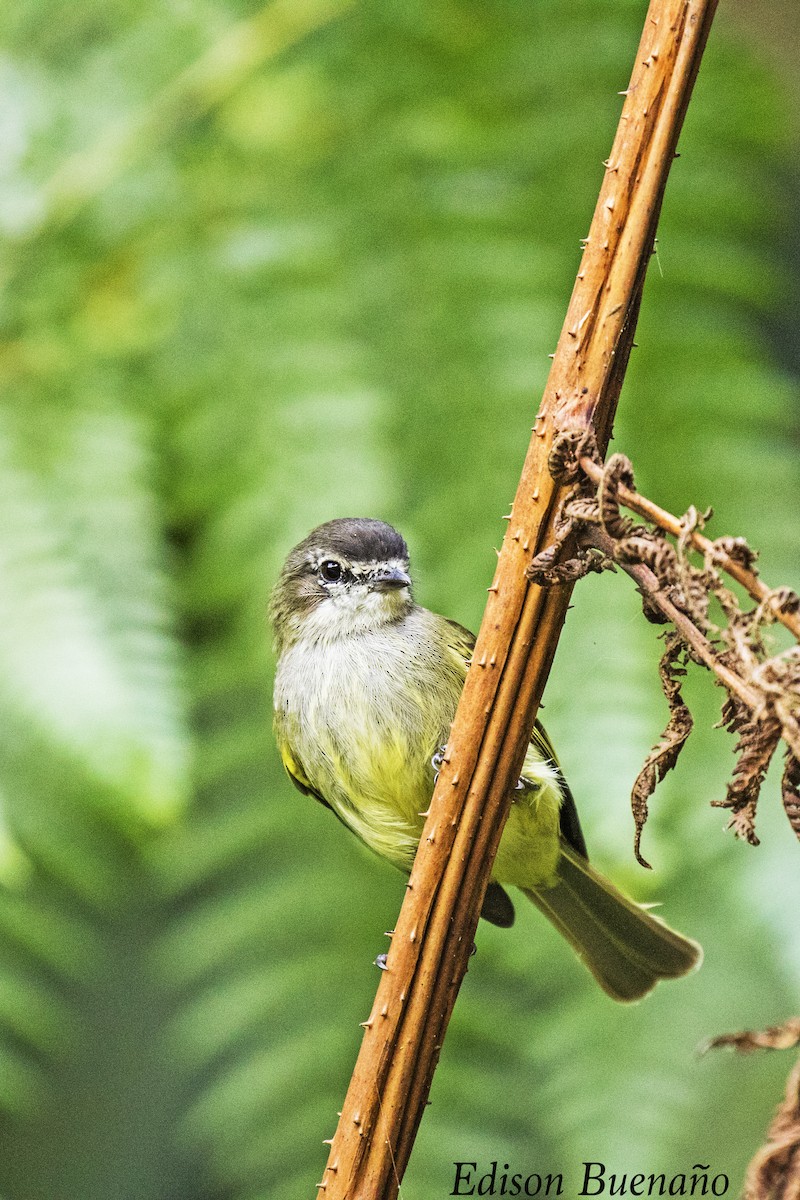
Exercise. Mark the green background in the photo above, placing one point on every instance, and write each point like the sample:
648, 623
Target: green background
255, 277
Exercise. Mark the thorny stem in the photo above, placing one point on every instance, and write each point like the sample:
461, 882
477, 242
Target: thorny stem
518, 635
637, 503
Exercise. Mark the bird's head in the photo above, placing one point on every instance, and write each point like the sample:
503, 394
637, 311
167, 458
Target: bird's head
347, 577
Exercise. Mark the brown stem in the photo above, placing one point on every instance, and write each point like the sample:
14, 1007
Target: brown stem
518, 634
637, 503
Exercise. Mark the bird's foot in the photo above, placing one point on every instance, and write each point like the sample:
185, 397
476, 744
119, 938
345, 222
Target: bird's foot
524, 785
437, 761
380, 961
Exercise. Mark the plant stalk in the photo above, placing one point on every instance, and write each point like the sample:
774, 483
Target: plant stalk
519, 632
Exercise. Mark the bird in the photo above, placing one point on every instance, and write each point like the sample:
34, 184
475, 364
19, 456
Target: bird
367, 683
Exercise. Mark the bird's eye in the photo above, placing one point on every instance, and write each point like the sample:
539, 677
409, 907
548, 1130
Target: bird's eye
331, 570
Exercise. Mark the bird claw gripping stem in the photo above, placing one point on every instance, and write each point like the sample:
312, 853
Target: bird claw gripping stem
437, 762
380, 961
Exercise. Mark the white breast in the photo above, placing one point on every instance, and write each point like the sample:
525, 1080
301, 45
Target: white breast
364, 714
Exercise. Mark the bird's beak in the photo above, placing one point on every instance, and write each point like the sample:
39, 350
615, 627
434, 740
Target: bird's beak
391, 580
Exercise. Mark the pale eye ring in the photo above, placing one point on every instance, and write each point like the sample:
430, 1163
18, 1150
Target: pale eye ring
331, 570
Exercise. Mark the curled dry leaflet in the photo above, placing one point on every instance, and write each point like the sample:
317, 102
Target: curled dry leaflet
774, 1173
684, 577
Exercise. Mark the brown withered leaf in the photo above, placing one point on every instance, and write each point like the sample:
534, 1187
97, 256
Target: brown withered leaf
569, 446
762, 705
652, 550
735, 713
778, 601
784, 599
774, 1173
776, 1037
790, 791
618, 470
743, 823
583, 509
737, 549
758, 741
546, 572
651, 611
664, 755
779, 679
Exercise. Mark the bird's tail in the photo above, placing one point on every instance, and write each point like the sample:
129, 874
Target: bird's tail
625, 947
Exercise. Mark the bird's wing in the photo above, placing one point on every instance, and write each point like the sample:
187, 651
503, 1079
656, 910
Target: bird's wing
568, 814
297, 775
462, 644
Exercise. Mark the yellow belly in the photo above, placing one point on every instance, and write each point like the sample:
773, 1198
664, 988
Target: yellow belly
384, 805
388, 817
530, 847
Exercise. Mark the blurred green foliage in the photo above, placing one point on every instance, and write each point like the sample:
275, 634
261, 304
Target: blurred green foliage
259, 275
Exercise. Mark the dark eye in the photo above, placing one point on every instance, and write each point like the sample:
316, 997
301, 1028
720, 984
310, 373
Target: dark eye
331, 570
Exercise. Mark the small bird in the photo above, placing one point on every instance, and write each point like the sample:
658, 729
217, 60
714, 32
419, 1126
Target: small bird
366, 690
